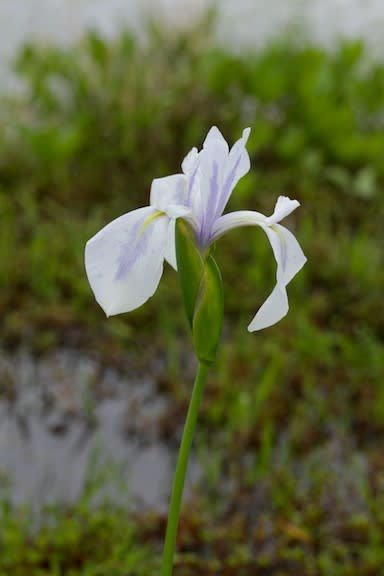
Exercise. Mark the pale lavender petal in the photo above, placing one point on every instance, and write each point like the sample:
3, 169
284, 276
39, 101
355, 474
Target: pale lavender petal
272, 311
124, 261
290, 259
170, 251
238, 164
216, 141
288, 255
219, 171
209, 212
284, 207
293, 258
170, 190
212, 162
190, 167
192, 181
131, 249
176, 211
189, 161
235, 220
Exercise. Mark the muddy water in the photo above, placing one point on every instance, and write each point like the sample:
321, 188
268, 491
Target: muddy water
64, 422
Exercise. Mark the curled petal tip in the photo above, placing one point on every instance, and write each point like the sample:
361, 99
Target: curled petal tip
284, 206
246, 133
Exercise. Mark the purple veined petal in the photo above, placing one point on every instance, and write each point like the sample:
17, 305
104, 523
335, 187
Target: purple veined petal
193, 185
220, 170
212, 162
237, 165
209, 203
124, 260
170, 190
190, 167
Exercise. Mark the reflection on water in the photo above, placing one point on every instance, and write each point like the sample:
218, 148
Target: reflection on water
60, 412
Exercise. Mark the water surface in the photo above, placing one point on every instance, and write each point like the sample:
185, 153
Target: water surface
65, 420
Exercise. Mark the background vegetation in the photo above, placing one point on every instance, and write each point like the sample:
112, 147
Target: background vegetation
292, 423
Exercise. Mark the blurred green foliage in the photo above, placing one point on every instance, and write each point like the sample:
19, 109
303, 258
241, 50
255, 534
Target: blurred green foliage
293, 417
72, 542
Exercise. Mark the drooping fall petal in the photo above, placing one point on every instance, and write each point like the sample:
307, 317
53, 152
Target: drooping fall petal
287, 251
290, 259
124, 261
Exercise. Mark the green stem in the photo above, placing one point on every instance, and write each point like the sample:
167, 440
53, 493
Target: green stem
181, 468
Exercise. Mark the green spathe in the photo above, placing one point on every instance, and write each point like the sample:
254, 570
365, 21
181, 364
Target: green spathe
202, 290
208, 317
190, 266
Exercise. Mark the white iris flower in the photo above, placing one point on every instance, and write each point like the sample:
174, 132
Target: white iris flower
124, 261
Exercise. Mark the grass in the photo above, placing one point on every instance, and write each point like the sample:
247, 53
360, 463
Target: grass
292, 422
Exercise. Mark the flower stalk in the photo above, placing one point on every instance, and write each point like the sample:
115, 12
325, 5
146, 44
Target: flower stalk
181, 468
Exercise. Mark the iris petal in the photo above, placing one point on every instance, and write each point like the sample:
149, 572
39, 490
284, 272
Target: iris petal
189, 162
124, 261
237, 165
287, 251
169, 191
219, 172
170, 250
290, 259
284, 206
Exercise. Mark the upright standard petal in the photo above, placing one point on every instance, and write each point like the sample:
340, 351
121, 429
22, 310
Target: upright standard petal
220, 170
124, 261
189, 162
237, 165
